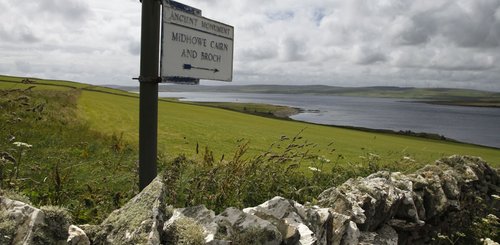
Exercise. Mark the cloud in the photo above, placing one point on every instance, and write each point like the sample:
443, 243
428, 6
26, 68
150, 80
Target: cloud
20, 33
69, 10
411, 31
467, 23
23, 66
337, 42
264, 50
366, 55
280, 15
291, 49
134, 47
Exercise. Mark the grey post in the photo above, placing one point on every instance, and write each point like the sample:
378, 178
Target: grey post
148, 104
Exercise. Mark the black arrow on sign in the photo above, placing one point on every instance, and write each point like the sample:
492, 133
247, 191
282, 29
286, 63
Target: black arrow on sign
189, 67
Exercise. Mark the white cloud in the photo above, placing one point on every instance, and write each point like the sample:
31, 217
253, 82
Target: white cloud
365, 55
453, 43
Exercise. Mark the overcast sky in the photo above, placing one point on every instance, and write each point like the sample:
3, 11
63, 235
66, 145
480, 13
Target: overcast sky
424, 43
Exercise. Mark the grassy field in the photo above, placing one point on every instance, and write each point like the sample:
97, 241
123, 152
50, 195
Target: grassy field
183, 128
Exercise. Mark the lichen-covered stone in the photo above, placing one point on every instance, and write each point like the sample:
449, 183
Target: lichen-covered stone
24, 224
7, 228
288, 216
340, 203
25, 218
376, 195
184, 231
54, 228
242, 228
77, 236
139, 221
352, 234
386, 235
198, 214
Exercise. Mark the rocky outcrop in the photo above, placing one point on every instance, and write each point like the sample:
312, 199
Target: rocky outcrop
383, 208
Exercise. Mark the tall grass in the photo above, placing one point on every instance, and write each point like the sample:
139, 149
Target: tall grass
243, 180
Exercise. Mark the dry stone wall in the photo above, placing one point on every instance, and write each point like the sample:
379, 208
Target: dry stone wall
383, 208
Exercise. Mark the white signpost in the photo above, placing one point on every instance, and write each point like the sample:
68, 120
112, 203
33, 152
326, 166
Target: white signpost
195, 47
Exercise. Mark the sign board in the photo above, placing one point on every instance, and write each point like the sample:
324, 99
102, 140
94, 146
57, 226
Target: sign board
195, 47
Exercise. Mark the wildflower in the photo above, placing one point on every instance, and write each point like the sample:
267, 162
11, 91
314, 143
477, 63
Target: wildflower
314, 169
22, 144
323, 159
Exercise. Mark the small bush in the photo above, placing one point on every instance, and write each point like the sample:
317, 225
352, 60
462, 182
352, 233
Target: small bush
185, 231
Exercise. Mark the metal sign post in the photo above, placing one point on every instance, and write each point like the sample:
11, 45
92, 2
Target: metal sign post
193, 48
148, 100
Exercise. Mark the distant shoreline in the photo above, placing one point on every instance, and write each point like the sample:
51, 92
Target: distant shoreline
285, 112
482, 104
451, 97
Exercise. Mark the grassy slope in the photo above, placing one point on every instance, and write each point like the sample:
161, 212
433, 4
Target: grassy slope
64, 153
182, 126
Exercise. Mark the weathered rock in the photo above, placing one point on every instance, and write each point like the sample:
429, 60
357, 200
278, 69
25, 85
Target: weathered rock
55, 226
24, 224
288, 216
352, 234
200, 215
340, 203
299, 224
77, 236
434, 197
19, 221
377, 197
183, 230
409, 202
91, 231
319, 220
339, 226
242, 228
408, 209
7, 227
139, 221
386, 235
